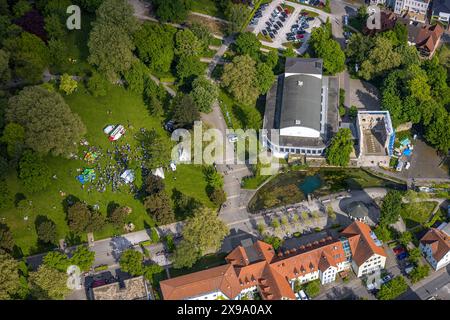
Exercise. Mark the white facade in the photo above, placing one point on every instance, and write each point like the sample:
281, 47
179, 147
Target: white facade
329, 275
300, 132
210, 296
427, 252
412, 6
375, 262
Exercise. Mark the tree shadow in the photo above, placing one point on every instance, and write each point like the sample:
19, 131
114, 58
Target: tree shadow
18, 197
118, 245
69, 201
112, 205
185, 205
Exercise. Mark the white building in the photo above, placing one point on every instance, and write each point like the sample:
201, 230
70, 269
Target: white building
416, 10
301, 110
435, 246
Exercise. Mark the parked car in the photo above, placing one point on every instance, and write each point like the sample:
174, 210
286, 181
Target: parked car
303, 295
294, 26
304, 13
292, 38
409, 268
301, 32
274, 31
284, 14
276, 27
398, 250
271, 35
279, 24
279, 9
402, 256
282, 19
264, 32
268, 23
98, 283
345, 20
299, 36
309, 19
290, 34
386, 279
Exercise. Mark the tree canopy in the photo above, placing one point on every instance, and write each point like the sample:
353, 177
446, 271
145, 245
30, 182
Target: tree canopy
34, 172
50, 126
9, 276
247, 43
82, 219
48, 284
204, 93
328, 49
338, 153
390, 208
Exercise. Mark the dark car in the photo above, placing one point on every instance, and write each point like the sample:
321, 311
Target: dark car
276, 27
274, 31
279, 24
304, 13
290, 38
301, 32
269, 24
309, 19
282, 19
290, 34
264, 32
271, 35
280, 9
284, 14
294, 26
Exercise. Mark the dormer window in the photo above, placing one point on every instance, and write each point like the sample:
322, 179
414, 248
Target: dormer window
298, 122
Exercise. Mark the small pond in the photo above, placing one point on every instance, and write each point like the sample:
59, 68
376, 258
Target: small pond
310, 184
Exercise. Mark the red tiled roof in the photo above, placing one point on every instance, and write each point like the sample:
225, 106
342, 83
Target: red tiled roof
222, 278
439, 242
361, 243
272, 273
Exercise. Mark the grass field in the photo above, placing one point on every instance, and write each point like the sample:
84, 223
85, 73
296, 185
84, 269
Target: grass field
208, 7
125, 108
417, 213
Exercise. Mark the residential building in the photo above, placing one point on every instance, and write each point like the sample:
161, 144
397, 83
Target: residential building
257, 268
387, 22
440, 11
415, 10
376, 138
301, 110
131, 289
425, 37
435, 246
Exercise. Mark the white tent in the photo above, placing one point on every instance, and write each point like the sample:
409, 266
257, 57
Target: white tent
159, 172
108, 129
173, 166
128, 176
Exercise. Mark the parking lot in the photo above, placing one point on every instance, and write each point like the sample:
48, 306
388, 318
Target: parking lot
276, 25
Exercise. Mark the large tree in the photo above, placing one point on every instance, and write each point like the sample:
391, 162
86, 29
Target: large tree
34, 172
155, 45
247, 43
204, 93
83, 258
328, 49
156, 150
50, 125
173, 11
185, 111
5, 72
6, 238
205, 230
131, 262
48, 284
46, 231
265, 77
29, 56
110, 49
9, 277
338, 153
390, 208
110, 41
187, 43
82, 219
381, 58
189, 67
14, 138
160, 208
239, 78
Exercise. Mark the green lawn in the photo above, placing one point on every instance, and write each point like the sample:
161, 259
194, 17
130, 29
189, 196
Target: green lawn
208, 7
417, 213
239, 116
125, 108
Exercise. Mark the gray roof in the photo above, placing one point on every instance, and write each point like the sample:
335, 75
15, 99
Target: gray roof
441, 6
357, 209
301, 65
301, 101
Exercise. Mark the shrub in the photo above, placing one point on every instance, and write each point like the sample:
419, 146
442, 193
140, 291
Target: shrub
312, 289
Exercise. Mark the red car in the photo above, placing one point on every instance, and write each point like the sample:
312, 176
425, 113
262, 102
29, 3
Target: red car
304, 13
398, 250
280, 9
299, 36
286, 11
